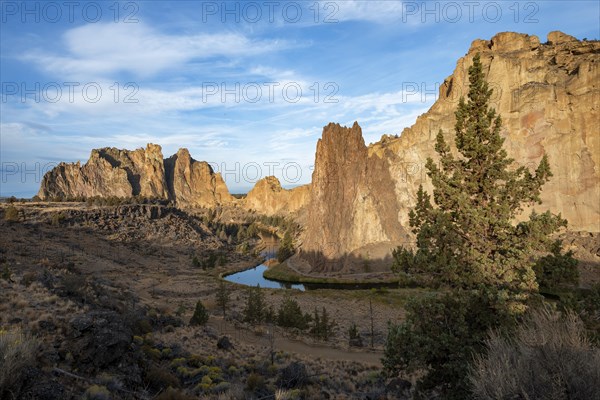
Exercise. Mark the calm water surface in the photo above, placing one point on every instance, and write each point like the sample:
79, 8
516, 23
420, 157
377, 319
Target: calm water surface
254, 276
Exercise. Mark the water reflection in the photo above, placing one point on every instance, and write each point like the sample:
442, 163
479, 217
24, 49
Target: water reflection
254, 276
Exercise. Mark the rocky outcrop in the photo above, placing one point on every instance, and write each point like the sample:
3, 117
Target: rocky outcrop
268, 197
351, 204
194, 183
548, 96
142, 172
99, 339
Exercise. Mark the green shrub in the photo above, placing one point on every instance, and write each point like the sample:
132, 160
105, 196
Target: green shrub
354, 336
221, 387
141, 325
438, 340
152, 353
200, 316
205, 384
550, 357
556, 269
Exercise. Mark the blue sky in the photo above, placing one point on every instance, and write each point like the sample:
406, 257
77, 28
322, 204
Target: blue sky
247, 86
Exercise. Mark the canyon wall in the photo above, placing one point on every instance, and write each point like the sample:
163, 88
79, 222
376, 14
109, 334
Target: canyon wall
548, 96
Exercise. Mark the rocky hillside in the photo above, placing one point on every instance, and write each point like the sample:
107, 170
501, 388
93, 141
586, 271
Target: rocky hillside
268, 197
141, 172
548, 95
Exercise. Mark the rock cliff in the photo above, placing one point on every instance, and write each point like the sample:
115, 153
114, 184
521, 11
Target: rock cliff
194, 183
268, 197
548, 96
143, 172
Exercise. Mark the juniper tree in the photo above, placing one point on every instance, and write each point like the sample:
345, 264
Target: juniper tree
286, 249
468, 241
290, 315
467, 237
223, 297
200, 316
255, 306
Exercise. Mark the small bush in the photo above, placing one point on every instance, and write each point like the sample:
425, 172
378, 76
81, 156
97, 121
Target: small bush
57, 219
74, 285
11, 214
174, 394
550, 357
6, 273
255, 382
96, 392
17, 352
200, 316
29, 278
159, 379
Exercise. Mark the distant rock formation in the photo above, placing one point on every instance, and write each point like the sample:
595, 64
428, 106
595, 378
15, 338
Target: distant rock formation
548, 96
124, 173
351, 204
194, 183
356, 208
268, 197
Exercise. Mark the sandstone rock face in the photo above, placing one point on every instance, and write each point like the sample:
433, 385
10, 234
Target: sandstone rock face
548, 96
96, 178
350, 204
268, 197
124, 173
194, 183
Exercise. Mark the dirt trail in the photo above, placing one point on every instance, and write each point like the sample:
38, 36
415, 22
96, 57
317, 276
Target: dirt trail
289, 345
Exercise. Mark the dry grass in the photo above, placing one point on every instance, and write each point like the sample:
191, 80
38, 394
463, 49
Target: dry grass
17, 352
549, 358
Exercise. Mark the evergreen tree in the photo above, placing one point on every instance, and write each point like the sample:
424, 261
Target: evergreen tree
468, 239
290, 315
255, 306
200, 316
286, 249
223, 297
557, 270
322, 328
316, 328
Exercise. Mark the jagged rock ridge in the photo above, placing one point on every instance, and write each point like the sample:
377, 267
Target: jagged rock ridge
548, 96
143, 172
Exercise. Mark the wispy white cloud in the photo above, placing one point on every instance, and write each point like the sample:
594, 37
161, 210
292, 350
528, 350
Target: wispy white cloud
99, 50
361, 10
